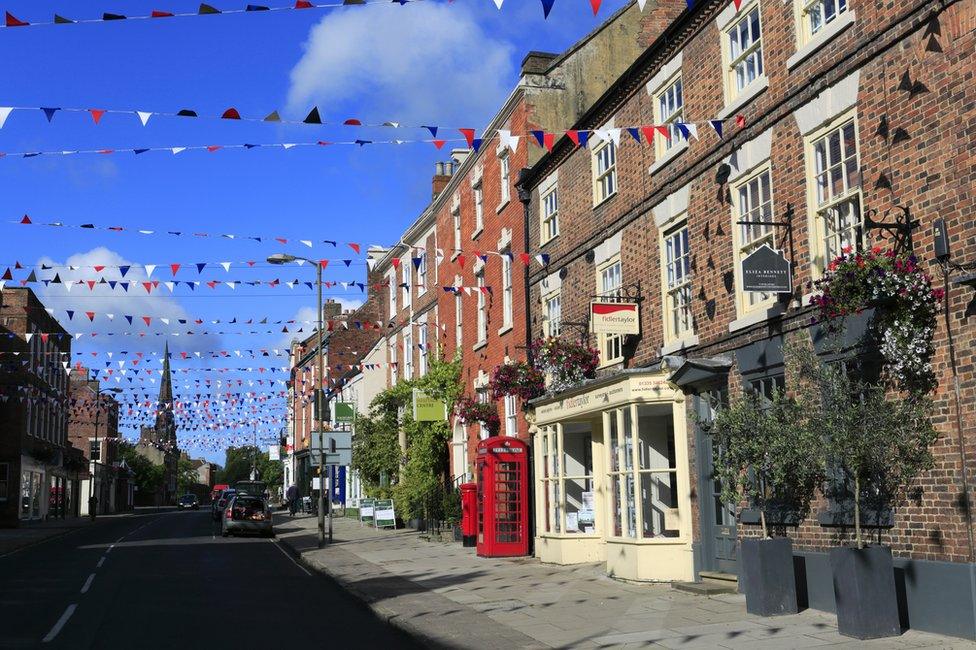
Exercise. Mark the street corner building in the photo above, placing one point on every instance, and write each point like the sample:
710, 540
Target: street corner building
814, 129
40, 472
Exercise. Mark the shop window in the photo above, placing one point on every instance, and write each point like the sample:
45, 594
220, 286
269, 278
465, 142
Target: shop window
753, 203
658, 473
623, 495
567, 476
835, 188
4, 480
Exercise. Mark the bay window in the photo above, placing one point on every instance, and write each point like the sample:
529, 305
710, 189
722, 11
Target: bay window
567, 479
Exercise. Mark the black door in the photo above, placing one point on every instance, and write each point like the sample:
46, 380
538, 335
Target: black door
718, 526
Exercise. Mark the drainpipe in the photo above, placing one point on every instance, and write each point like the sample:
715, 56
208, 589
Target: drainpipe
524, 194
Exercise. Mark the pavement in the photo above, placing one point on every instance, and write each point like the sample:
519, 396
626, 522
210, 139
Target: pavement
446, 596
169, 580
34, 532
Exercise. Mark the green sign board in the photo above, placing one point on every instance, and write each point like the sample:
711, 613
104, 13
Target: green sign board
366, 508
383, 514
428, 409
345, 412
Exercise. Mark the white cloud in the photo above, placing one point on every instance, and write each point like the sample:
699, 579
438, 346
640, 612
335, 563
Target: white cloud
422, 63
102, 300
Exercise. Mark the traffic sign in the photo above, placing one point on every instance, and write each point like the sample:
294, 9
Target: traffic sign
332, 441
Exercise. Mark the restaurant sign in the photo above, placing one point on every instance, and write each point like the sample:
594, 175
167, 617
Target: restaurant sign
614, 317
767, 271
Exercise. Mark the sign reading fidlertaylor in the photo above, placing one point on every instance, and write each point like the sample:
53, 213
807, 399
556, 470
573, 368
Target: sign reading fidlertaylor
614, 318
767, 271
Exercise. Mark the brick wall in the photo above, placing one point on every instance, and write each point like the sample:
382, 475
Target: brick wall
81, 422
931, 172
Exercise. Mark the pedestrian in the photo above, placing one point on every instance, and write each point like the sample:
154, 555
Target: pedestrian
92, 506
292, 495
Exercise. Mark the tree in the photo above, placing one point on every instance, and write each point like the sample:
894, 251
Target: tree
147, 477
186, 476
241, 460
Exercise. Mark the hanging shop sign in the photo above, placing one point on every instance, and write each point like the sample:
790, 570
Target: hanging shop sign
427, 408
767, 271
345, 412
274, 452
383, 514
614, 317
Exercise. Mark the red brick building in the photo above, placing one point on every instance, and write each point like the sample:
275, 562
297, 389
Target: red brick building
99, 445
38, 478
847, 108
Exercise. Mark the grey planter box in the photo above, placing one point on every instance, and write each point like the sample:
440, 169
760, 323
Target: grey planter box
864, 590
767, 576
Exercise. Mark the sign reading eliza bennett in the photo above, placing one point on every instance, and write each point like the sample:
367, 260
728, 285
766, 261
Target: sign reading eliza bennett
614, 318
766, 270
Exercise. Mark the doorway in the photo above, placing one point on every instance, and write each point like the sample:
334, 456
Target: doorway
718, 525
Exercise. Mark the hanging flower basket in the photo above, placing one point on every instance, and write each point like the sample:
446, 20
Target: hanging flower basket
905, 307
564, 362
517, 378
470, 411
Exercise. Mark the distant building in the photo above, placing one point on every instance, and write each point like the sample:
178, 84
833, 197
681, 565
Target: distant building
39, 474
158, 442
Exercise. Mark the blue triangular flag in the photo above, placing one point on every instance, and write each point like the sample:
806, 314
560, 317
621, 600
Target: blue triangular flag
70, 314
123, 270
201, 266
540, 137
685, 133
416, 261
717, 125
139, 151
634, 133
547, 7
433, 131
476, 144
129, 318
49, 112
584, 137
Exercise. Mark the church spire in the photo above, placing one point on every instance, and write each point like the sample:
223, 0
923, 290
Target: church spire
165, 429
166, 385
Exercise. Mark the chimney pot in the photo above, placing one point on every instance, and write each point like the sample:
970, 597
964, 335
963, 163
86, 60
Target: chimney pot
439, 169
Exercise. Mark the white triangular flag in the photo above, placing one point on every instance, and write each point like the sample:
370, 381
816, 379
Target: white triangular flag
143, 116
226, 266
149, 270
307, 242
615, 136
498, 3
170, 286
641, 3
288, 145
176, 150
4, 114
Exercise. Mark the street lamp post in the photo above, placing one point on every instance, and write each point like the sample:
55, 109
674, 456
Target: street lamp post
91, 479
285, 258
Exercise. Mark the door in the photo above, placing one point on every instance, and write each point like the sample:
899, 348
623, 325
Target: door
718, 526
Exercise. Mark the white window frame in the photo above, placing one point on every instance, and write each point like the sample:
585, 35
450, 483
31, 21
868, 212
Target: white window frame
671, 113
604, 171
478, 198
809, 28
405, 266
507, 290
394, 290
408, 352
422, 274
748, 238
552, 309
753, 52
458, 320
422, 349
824, 199
482, 331
549, 215
676, 283
456, 216
394, 362
504, 177
609, 278
511, 416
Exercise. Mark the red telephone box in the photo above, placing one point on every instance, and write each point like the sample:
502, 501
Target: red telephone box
503, 497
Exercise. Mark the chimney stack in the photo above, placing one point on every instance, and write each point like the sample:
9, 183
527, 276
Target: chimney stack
442, 176
331, 309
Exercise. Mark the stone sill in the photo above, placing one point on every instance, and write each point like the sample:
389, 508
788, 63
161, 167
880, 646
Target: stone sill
671, 154
839, 24
746, 95
679, 344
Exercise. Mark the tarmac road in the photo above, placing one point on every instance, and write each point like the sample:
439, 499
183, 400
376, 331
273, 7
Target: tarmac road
169, 580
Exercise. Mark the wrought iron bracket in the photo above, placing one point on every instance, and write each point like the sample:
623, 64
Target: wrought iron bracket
900, 229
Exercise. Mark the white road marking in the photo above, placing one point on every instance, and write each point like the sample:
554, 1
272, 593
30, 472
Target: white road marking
285, 553
88, 582
109, 549
60, 624
100, 562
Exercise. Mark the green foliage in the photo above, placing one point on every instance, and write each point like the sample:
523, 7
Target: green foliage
376, 451
880, 440
147, 477
767, 453
186, 476
239, 462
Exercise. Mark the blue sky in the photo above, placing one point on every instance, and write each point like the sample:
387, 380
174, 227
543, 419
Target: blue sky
429, 62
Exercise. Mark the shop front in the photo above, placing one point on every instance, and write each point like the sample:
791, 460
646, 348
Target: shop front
612, 477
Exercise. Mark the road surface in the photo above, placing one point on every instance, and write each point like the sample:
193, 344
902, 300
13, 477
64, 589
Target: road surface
169, 580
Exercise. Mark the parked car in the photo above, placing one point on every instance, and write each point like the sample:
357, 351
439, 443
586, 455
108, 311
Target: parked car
188, 501
220, 503
247, 514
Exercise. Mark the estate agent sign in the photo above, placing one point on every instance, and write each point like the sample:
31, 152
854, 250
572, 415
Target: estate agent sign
345, 412
614, 318
767, 271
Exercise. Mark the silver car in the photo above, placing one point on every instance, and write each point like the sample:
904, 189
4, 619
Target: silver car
247, 514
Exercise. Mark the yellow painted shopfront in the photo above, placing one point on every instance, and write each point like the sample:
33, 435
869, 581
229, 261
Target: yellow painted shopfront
612, 477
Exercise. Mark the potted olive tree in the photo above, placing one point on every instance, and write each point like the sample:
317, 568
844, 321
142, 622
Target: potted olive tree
877, 435
767, 458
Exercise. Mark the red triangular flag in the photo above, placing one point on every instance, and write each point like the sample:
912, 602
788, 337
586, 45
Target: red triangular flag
596, 6
663, 130
96, 114
213, 147
99, 268
231, 114
354, 246
147, 319
91, 284
303, 4
460, 261
439, 143
26, 220
468, 135
737, 3
740, 121
161, 14
525, 257
15, 22
574, 136
396, 262
174, 268
90, 315
648, 132
548, 139
7, 275
323, 263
